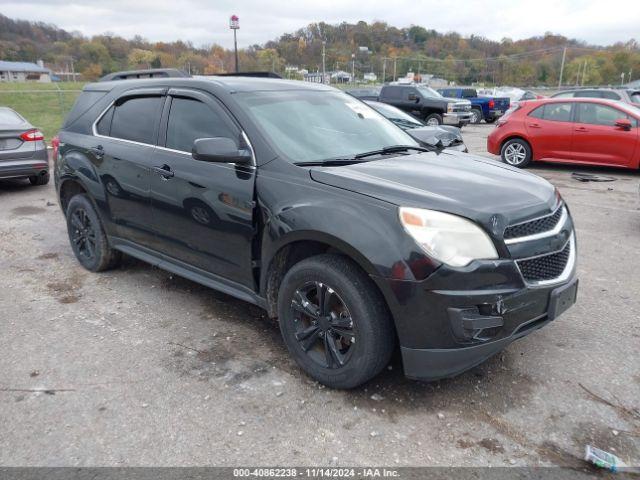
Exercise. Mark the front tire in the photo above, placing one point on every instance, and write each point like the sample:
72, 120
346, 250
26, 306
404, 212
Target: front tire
87, 237
476, 116
433, 120
516, 152
334, 321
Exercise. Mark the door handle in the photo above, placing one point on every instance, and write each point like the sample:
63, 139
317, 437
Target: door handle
98, 151
164, 171
534, 125
581, 129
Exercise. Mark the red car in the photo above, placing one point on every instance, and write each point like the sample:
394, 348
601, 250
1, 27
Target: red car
586, 131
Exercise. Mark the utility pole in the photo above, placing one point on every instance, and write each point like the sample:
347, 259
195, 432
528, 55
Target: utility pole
395, 63
630, 72
384, 69
584, 72
234, 24
73, 71
353, 68
564, 56
324, 69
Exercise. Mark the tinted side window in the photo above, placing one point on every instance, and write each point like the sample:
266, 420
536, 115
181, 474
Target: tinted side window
595, 114
191, 119
392, 92
611, 95
103, 127
557, 112
563, 95
136, 119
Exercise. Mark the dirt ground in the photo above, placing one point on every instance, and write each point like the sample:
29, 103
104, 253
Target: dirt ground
139, 367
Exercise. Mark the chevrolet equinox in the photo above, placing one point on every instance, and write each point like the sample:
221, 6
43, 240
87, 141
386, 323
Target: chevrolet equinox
308, 203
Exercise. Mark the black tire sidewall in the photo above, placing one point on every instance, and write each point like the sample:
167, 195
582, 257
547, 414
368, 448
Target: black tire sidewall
352, 288
97, 263
477, 116
437, 116
527, 148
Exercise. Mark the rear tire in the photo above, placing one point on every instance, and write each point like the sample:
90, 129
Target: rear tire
516, 152
433, 120
334, 321
41, 179
87, 237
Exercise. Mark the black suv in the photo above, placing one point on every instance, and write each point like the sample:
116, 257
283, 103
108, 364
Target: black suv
305, 201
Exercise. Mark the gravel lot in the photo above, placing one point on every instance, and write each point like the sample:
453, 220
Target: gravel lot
139, 367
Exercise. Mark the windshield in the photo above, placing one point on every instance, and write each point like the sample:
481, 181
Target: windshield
393, 113
314, 125
428, 92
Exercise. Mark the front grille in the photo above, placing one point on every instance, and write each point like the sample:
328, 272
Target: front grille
546, 267
538, 225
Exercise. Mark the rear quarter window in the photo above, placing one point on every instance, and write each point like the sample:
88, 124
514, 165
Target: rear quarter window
86, 100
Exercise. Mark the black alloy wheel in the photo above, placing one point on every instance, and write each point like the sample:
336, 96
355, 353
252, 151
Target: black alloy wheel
324, 327
334, 321
83, 235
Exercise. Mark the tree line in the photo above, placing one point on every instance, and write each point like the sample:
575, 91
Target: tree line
363, 47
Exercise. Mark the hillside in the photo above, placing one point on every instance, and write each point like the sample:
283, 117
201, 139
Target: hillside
533, 61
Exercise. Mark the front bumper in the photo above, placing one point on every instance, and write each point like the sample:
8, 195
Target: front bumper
456, 118
457, 318
25, 167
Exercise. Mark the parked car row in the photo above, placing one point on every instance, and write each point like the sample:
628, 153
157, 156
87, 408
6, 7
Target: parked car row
422, 102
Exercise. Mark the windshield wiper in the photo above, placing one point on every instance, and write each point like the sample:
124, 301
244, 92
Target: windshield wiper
330, 162
359, 157
391, 149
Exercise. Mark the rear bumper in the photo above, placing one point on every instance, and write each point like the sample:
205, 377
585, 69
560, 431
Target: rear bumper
456, 118
37, 165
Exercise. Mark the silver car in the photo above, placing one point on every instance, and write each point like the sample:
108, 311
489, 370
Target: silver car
23, 152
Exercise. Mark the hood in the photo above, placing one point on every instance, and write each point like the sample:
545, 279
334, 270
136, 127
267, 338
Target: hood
481, 189
434, 136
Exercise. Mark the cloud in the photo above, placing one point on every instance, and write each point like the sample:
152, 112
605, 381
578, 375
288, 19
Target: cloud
205, 22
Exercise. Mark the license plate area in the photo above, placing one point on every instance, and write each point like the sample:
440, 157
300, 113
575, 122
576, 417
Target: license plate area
561, 299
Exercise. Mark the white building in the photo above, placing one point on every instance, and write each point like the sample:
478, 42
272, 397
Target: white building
370, 77
24, 72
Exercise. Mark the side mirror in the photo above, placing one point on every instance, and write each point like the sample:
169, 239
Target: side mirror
623, 123
219, 149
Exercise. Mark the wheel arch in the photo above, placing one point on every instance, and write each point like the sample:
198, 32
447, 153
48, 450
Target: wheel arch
69, 187
517, 137
296, 247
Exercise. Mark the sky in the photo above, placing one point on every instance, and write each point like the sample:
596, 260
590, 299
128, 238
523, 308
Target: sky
207, 21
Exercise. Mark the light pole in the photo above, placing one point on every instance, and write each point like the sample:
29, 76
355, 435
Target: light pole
234, 24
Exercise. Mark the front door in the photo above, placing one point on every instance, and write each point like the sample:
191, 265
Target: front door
123, 151
597, 140
202, 211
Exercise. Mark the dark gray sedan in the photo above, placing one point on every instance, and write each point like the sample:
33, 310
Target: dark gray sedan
23, 152
441, 136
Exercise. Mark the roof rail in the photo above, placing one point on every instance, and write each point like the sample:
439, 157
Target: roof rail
149, 73
249, 74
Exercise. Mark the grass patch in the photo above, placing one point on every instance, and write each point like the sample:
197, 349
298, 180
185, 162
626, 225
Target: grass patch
44, 105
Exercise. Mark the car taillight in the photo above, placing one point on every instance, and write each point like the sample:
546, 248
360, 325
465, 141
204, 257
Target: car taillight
492, 104
32, 135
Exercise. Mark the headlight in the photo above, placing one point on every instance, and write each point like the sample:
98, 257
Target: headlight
448, 238
450, 107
